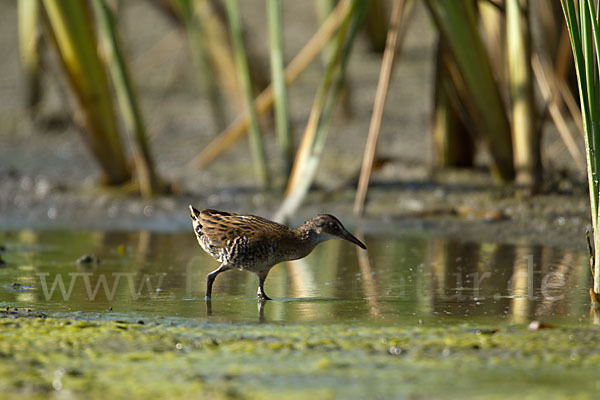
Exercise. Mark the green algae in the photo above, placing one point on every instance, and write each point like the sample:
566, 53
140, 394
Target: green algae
101, 359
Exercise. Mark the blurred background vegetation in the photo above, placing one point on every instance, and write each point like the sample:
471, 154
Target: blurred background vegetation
501, 75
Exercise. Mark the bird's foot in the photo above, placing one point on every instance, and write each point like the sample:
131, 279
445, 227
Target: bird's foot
262, 297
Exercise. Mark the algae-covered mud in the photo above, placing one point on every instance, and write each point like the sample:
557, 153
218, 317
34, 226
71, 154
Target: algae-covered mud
97, 315
102, 359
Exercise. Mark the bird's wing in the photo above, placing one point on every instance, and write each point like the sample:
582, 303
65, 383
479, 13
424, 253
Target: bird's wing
220, 226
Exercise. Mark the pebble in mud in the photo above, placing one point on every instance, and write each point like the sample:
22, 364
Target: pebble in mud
87, 259
20, 313
18, 287
537, 325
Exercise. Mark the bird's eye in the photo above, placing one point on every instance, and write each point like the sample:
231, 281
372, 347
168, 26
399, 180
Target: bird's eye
335, 227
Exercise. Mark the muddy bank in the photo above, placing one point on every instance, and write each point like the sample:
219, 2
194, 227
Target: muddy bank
461, 204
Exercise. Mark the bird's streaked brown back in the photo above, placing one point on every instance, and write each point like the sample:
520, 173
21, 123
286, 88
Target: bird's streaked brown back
220, 226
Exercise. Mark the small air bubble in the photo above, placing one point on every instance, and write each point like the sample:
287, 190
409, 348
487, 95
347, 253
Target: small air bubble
148, 211
26, 183
112, 211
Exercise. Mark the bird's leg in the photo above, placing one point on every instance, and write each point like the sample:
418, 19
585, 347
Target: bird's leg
210, 278
208, 307
261, 283
261, 311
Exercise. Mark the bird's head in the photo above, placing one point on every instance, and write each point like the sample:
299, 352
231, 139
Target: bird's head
326, 227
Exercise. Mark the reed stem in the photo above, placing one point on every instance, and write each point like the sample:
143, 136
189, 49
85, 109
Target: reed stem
127, 99
315, 134
457, 23
282, 117
380, 95
264, 101
29, 48
582, 23
71, 23
256, 141
527, 140
204, 69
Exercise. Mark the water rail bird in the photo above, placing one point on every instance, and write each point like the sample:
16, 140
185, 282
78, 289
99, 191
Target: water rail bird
255, 244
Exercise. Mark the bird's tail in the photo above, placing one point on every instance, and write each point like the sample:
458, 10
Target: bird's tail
194, 213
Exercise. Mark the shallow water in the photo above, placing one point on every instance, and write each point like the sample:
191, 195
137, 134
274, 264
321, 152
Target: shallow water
402, 280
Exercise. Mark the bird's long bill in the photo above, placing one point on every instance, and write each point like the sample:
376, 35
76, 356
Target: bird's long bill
194, 213
352, 239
